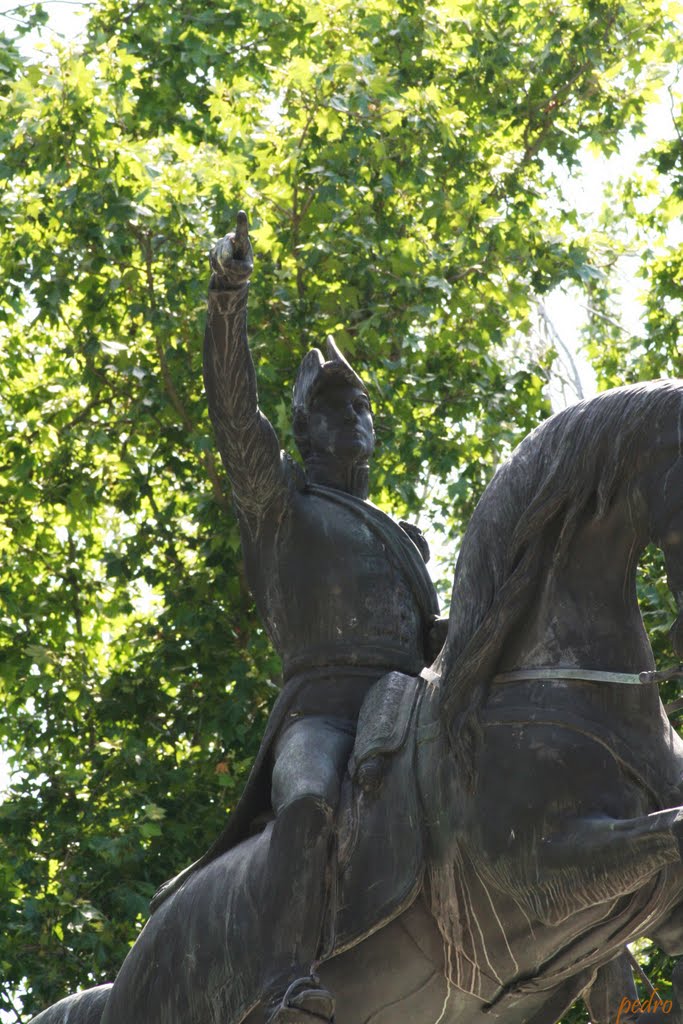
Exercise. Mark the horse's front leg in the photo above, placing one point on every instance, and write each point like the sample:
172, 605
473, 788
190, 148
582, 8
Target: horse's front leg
556, 872
610, 857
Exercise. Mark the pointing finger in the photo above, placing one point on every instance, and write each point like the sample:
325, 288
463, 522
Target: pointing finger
241, 236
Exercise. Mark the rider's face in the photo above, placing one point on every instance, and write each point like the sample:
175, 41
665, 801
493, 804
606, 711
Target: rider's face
340, 423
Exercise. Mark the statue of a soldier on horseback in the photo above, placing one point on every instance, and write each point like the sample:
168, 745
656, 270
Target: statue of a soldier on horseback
475, 840
342, 590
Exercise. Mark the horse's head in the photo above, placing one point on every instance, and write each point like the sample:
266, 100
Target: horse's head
585, 491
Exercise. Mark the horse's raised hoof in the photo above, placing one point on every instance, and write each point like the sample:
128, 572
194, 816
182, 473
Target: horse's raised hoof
304, 1002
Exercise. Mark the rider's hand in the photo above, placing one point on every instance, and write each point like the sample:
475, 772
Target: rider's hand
232, 259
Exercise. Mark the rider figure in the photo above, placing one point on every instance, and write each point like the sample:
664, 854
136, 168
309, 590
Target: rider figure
341, 589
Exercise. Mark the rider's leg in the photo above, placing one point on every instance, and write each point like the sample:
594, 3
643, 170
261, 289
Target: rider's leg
310, 758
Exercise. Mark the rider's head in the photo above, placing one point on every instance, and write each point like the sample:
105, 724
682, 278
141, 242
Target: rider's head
332, 414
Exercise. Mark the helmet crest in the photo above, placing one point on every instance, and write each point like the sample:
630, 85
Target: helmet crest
315, 371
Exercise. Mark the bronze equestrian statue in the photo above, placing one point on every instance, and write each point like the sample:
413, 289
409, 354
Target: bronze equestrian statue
508, 819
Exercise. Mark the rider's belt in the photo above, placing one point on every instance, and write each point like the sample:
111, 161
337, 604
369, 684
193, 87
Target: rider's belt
337, 658
335, 692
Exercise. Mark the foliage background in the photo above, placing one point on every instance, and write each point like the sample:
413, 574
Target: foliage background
405, 169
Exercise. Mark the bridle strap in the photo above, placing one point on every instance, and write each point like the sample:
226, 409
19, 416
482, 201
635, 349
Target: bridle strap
589, 676
585, 675
571, 674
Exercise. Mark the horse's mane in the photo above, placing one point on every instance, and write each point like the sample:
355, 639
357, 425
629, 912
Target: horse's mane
571, 465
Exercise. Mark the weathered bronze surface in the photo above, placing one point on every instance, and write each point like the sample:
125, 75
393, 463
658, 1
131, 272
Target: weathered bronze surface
474, 841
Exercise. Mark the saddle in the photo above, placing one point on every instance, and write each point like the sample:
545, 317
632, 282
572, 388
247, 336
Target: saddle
380, 852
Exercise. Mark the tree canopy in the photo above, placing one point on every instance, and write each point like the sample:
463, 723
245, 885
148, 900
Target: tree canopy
404, 167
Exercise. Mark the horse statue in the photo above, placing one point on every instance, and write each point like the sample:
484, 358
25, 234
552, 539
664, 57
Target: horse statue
526, 791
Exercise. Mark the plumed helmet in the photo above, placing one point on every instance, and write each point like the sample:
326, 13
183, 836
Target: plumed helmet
315, 371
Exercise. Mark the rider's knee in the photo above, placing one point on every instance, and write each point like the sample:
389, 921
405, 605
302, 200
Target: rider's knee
290, 786
307, 818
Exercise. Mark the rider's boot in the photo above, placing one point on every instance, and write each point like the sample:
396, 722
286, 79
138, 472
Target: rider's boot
298, 900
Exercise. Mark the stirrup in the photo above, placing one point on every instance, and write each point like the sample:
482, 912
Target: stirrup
304, 1002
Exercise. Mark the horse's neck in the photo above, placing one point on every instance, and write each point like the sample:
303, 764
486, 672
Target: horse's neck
586, 612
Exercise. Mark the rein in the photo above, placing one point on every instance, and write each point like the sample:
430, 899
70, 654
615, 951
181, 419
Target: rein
592, 676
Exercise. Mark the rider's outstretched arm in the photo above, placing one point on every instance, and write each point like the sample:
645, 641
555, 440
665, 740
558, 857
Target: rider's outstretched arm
248, 444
